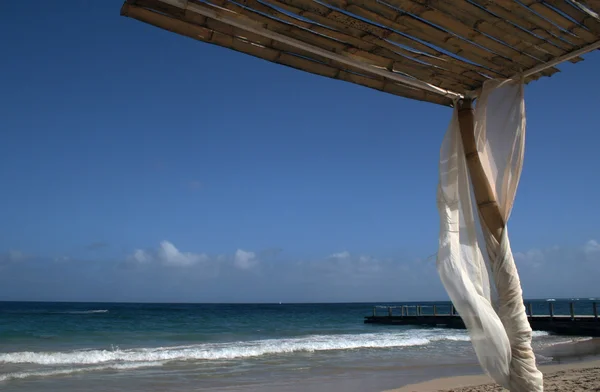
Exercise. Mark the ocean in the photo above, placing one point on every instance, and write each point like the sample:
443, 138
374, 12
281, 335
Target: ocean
221, 347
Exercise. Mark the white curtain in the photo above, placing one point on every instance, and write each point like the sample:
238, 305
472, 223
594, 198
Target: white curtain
477, 271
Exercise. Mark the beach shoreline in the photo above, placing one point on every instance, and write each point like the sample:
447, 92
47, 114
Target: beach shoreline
236, 348
574, 365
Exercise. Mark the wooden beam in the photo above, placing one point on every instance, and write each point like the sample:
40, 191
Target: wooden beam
531, 73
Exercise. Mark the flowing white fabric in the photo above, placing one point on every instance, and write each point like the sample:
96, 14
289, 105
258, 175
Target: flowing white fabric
478, 272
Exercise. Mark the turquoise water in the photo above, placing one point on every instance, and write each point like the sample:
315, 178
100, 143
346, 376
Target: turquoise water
109, 346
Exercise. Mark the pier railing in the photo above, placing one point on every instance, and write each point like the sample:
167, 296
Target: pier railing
568, 318
415, 310
533, 309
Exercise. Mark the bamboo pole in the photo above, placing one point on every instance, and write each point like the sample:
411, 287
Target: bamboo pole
510, 295
484, 195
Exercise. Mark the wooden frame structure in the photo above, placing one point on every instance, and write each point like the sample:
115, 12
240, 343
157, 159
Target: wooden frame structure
429, 50
439, 51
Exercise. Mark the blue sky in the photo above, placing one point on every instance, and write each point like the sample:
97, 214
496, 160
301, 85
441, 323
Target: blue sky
234, 179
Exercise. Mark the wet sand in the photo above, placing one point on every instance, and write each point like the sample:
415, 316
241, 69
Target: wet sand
576, 367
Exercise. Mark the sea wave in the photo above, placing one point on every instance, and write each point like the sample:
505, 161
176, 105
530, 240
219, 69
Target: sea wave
72, 370
235, 350
85, 311
53, 312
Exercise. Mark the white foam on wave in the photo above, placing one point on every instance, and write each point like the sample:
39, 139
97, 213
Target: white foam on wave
537, 334
568, 339
71, 370
542, 359
234, 350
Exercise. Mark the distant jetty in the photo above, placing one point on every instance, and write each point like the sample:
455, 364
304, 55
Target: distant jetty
436, 316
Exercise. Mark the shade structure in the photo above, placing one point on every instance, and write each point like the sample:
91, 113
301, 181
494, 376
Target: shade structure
396, 46
444, 52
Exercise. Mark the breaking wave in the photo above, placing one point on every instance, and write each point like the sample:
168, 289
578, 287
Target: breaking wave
233, 350
76, 361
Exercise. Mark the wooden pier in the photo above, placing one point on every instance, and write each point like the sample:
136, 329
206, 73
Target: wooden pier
432, 316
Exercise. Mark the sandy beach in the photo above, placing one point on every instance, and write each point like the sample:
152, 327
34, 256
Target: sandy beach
578, 376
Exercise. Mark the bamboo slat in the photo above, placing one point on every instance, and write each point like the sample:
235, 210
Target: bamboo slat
543, 25
328, 9
440, 77
561, 21
159, 6
496, 53
424, 32
593, 5
576, 14
245, 46
523, 20
493, 26
416, 28
518, 27
382, 56
450, 22
380, 35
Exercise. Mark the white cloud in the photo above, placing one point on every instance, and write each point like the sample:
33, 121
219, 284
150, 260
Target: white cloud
556, 255
12, 256
244, 259
533, 257
15, 255
368, 264
349, 266
141, 256
365, 259
591, 247
165, 273
341, 255
168, 254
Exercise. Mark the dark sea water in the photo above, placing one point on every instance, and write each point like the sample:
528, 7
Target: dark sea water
205, 347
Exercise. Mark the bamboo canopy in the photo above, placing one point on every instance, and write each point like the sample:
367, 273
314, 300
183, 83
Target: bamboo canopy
428, 50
